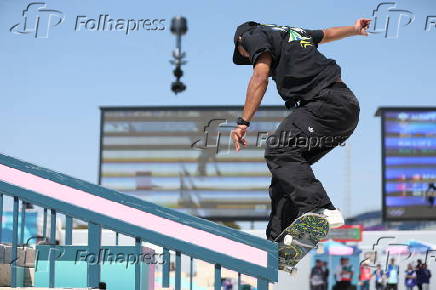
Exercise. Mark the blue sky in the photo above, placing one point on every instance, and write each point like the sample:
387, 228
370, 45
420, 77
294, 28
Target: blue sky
52, 88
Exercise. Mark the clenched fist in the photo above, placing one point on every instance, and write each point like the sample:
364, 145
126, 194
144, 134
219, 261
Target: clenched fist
361, 26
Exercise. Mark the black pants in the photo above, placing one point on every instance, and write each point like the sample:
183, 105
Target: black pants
302, 138
342, 285
379, 286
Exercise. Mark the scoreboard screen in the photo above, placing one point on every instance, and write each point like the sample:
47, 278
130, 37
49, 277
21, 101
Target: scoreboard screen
183, 158
409, 163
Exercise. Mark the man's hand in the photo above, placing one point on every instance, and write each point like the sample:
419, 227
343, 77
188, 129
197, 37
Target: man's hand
238, 137
361, 26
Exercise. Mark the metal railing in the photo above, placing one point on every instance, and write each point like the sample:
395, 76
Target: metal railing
145, 222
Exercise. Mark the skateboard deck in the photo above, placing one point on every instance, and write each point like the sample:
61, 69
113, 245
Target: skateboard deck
306, 232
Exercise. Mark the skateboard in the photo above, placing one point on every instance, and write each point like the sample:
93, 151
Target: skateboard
306, 232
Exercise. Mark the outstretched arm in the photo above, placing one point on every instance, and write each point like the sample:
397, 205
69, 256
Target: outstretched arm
255, 92
336, 33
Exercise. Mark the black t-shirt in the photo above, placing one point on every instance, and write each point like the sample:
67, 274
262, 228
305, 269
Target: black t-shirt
298, 68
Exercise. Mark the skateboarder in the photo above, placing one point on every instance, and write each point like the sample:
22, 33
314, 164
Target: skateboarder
324, 112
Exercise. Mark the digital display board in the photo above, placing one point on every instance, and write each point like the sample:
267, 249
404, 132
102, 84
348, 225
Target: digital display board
183, 158
409, 163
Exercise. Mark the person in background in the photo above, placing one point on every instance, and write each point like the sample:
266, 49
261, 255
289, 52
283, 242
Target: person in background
430, 194
425, 276
419, 274
226, 284
379, 277
317, 276
364, 276
392, 274
344, 275
410, 277
326, 274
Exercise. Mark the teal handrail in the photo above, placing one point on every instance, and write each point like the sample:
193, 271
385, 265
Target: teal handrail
100, 207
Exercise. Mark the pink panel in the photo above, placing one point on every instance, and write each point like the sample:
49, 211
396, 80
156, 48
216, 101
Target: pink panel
341, 251
133, 216
151, 276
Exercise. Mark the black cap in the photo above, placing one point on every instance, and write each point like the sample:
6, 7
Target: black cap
237, 57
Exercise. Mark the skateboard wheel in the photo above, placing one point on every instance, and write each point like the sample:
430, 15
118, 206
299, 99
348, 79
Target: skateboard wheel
288, 240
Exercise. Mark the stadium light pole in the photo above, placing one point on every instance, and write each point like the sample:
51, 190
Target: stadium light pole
179, 27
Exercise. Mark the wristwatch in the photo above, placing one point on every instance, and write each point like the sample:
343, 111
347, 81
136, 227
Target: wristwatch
241, 121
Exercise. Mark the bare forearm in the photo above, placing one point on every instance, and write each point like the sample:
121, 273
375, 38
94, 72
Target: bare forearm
255, 92
336, 33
